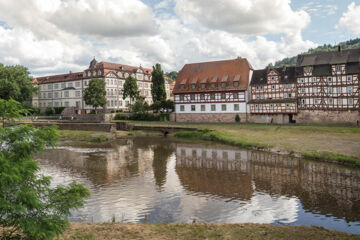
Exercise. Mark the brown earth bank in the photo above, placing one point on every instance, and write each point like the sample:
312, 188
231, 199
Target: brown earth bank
199, 231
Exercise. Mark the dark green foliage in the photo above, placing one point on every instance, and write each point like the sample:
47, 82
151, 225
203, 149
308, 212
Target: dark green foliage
140, 116
237, 118
165, 106
172, 76
49, 111
29, 207
158, 84
139, 106
351, 44
58, 110
31, 109
95, 94
130, 89
16, 83
11, 110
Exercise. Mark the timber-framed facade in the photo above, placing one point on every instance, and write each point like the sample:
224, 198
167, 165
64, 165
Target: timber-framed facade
273, 95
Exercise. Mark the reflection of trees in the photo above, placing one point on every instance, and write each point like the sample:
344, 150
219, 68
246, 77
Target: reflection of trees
161, 156
322, 188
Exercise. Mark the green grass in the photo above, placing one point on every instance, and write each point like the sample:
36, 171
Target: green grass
331, 157
85, 136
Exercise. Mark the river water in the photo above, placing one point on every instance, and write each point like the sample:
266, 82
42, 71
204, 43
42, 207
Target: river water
164, 180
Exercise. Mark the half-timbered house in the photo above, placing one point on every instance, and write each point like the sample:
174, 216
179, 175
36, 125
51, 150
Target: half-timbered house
328, 87
273, 95
212, 91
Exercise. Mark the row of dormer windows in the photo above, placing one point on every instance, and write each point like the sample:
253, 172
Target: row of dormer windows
212, 85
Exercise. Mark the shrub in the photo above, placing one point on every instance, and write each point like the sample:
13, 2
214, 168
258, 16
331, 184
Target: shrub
121, 117
58, 110
237, 118
49, 111
112, 111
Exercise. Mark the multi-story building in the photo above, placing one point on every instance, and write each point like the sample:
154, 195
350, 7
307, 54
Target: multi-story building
212, 91
328, 86
67, 90
273, 95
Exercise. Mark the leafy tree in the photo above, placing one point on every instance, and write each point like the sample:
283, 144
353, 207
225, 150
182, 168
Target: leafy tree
95, 94
49, 111
16, 83
139, 106
172, 76
158, 84
167, 106
10, 110
130, 89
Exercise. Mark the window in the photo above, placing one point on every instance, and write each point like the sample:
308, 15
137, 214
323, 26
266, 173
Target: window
56, 86
77, 93
314, 79
317, 101
331, 101
256, 106
70, 84
350, 101
182, 108
182, 86
236, 107
77, 84
329, 79
56, 104
330, 90
77, 104
271, 106
314, 90
349, 89
49, 86
213, 85
302, 90
223, 85
272, 86
349, 78
49, 95
213, 107
66, 104
193, 86
307, 70
181, 97
56, 95
272, 78
235, 84
338, 68
235, 95
192, 96
223, 95
66, 94
126, 103
302, 101
285, 95
86, 83
212, 96
62, 85
202, 96
339, 101
301, 80
203, 85
203, 108
193, 108
49, 104
289, 95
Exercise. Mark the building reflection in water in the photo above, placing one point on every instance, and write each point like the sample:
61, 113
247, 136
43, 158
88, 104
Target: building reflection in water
162, 178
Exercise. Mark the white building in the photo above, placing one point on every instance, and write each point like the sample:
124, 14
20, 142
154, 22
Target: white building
66, 90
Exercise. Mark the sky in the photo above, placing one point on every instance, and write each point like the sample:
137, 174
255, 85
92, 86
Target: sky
58, 36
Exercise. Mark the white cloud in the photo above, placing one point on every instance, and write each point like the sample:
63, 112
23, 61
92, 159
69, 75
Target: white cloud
244, 16
351, 19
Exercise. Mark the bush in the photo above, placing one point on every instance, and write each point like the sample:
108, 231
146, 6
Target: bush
58, 110
121, 117
139, 117
49, 111
237, 118
112, 111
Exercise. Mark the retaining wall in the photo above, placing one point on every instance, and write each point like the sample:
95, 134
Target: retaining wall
209, 117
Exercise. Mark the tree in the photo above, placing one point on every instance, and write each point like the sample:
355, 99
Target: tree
158, 84
95, 94
16, 83
130, 89
10, 110
172, 76
29, 207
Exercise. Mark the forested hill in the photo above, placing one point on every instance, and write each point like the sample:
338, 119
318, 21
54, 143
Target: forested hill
355, 43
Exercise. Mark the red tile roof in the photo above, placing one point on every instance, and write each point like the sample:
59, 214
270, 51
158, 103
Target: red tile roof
228, 71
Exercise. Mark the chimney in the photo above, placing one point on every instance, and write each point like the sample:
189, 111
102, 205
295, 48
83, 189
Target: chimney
339, 48
70, 72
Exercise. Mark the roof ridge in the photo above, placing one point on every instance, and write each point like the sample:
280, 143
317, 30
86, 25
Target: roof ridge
227, 60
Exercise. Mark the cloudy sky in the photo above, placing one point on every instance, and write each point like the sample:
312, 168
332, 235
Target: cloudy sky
56, 36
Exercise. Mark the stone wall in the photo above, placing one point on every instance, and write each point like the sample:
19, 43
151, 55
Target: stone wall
99, 127
208, 117
272, 118
328, 117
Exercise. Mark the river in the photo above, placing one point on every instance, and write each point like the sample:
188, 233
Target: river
165, 180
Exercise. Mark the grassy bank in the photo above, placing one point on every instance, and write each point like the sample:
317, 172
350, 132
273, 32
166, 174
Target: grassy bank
198, 231
330, 143
85, 136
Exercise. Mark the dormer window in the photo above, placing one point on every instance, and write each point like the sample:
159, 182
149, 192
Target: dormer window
182, 86
272, 78
203, 85
89, 74
94, 73
338, 68
235, 84
307, 70
223, 85
193, 86
99, 72
213, 85
126, 75
84, 74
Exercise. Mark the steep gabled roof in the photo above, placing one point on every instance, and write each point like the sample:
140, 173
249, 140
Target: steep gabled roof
59, 78
287, 75
333, 57
228, 70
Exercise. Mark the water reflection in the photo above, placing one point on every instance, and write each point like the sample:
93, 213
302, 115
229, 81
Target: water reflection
177, 182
